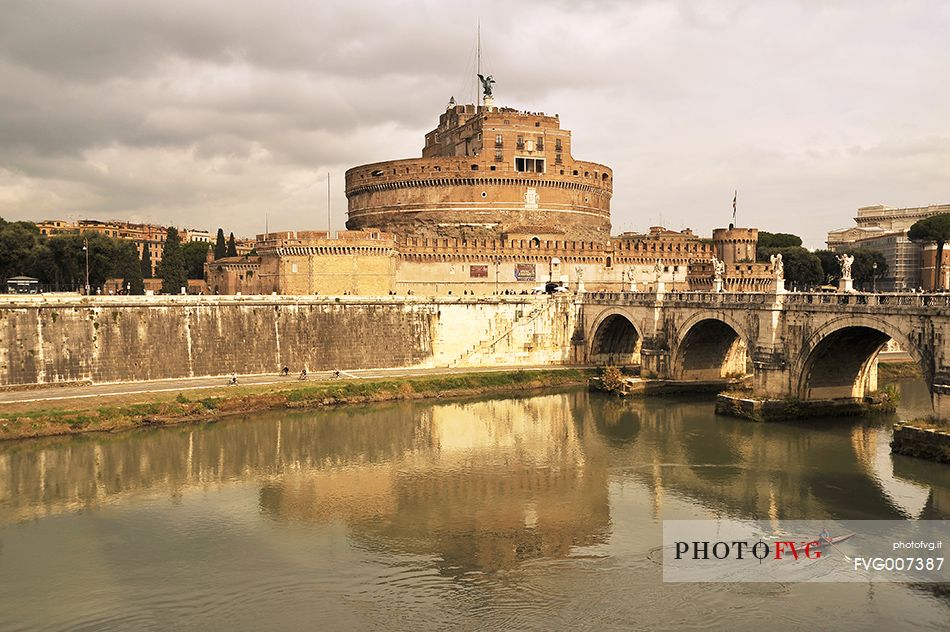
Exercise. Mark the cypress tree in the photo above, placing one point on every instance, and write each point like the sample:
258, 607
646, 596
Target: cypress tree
172, 267
146, 265
133, 274
220, 247
232, 247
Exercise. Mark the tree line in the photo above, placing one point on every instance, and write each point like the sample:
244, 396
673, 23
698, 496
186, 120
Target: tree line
59, 261
806, 269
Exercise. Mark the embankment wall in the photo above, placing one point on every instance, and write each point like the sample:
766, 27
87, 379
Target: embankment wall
45, 340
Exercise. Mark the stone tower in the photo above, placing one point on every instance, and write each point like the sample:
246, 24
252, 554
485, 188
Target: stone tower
735, 245
486, 173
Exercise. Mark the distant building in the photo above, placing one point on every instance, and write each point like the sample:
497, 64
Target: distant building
884, 230
150, 236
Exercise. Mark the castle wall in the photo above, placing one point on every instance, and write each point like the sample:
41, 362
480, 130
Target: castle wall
485, 172
45, 340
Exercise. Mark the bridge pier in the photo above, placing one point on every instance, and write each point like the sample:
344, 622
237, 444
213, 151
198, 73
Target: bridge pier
770, 375
654, 363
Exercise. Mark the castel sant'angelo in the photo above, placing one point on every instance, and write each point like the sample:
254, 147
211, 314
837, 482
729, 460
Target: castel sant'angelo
497, 203
486, 173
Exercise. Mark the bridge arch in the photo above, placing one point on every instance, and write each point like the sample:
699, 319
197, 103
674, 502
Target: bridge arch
709, 346
614, 340
838, 359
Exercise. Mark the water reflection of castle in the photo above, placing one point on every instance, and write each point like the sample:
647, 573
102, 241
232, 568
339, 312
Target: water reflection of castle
481, 485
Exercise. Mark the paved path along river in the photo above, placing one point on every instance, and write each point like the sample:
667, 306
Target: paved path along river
80, 391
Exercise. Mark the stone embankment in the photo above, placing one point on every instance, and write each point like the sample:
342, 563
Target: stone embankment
923, 443
72, 339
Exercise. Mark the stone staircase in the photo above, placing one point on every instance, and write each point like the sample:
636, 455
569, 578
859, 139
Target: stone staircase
508, 342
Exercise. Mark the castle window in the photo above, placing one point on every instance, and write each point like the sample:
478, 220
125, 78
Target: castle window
492, 167
575, 172
537, 123
498, 156
557, 144
520, 143
498, 140
535, 242
557, 161
531, 165
484, 194
474, 167
540, 143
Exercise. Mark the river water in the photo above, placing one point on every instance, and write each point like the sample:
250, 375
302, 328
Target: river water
527, 513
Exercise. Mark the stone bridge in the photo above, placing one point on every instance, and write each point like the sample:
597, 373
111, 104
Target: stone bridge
798, 345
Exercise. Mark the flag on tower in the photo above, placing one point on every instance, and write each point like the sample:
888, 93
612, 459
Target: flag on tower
734, 198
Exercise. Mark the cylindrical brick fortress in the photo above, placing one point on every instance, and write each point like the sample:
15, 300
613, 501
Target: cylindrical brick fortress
485, 172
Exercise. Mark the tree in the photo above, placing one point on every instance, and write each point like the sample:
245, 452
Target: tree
172, 267
146, 263
778, 240
933, 229
232, 247
17, 240
829, 265
128, 267
863, 271
195, 254
802, 268
220, 247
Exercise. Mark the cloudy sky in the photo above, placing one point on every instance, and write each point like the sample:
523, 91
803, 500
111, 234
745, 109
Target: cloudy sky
210, 113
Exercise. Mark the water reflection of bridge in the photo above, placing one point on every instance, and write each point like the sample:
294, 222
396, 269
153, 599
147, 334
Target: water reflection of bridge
482, 485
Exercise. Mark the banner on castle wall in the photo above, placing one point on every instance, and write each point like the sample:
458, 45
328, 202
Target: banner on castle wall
478, 272
524, 271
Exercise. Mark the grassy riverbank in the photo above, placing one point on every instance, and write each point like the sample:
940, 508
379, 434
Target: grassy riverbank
897, 370
150, 409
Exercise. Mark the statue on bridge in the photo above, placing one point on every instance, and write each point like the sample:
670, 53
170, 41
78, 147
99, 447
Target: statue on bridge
719, 270
631, 277
845, 260
778, 268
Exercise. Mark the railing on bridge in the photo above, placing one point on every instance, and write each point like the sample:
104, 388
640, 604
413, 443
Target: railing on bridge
763, 298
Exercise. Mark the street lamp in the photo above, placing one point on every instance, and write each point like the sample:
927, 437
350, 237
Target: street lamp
497, 260
85, 248
874, 277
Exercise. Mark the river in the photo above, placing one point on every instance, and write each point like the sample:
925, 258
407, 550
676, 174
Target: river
530, 513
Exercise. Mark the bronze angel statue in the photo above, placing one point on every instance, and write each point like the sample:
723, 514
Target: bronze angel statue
486, 84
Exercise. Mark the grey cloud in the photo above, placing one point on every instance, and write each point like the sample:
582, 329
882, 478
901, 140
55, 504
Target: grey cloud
215, 110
